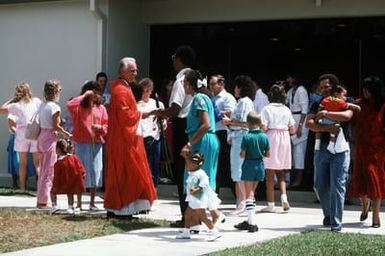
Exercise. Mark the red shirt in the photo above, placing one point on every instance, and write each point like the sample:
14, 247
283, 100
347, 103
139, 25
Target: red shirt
334, 104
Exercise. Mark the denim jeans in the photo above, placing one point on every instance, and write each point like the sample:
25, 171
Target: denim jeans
153, 156
330, 174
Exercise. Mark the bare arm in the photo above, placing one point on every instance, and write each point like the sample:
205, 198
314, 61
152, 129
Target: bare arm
4, 107
267, 154
203, 128
340, 116
242, 154
56, 125
292, 130
172, 111
316, 127
228, 121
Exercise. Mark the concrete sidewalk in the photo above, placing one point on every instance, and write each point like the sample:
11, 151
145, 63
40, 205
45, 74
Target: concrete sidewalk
161, 241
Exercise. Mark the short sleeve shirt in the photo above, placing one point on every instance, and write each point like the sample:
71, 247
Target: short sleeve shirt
178, 95
242, 109
255, 143
277, 116
225, 102
201, 102
46, 113
24, 111
299, 102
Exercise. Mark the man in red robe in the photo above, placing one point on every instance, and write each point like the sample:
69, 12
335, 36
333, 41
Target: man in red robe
128, 183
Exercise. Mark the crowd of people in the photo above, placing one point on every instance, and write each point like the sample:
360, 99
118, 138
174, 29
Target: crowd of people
114, 140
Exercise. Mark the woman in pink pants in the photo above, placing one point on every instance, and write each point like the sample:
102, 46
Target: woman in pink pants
49, 115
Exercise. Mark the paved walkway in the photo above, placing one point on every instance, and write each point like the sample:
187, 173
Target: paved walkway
161, 241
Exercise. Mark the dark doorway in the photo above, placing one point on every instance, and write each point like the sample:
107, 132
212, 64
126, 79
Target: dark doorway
268, 50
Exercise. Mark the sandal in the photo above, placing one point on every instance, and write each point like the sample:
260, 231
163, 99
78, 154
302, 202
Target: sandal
364, 214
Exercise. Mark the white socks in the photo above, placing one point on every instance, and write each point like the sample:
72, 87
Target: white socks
250, 208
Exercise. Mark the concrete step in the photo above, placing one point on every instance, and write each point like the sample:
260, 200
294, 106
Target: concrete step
225, 194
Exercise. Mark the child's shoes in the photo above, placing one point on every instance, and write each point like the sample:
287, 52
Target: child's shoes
54, 209
213, 235
184, 235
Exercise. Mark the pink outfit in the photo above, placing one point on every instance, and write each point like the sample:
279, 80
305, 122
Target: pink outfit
83, 118
46, 143
280, 150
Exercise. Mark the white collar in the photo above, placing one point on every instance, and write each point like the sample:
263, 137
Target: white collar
181, 73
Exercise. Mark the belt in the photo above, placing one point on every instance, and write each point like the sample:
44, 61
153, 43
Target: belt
257, 159
296, 112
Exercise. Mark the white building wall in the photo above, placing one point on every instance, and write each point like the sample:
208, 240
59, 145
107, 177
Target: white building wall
41, 41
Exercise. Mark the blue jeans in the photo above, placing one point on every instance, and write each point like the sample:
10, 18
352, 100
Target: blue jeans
152, 147
330, 174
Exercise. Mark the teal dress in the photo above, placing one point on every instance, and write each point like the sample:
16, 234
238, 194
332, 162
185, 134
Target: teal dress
208, 145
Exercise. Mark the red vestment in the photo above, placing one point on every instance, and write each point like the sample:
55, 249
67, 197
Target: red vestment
128, 176
369, 153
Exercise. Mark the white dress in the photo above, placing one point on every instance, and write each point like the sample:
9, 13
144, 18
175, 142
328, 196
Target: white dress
206, 198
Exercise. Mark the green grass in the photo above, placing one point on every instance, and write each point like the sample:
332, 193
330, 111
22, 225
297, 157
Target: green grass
16, 192
20, 229
314, 243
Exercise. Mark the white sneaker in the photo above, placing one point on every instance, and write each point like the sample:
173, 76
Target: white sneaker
71, 211
54, 209
268, 209
193, 229
285, 206
238, 210
221, 219
213, 235
184, 235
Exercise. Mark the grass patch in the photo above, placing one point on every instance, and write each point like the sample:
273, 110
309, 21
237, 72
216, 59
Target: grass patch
314, 243
21, 229
16, 192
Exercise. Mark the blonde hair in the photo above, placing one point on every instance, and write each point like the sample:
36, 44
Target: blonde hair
51, 90
22, 91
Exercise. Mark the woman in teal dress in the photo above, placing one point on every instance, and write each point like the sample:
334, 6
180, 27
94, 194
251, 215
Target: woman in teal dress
201, 129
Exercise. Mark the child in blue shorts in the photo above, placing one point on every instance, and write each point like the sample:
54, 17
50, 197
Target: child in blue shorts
254, 147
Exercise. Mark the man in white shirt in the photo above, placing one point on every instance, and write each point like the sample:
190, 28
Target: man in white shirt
298, 102
225, 102
179, 106
261, 100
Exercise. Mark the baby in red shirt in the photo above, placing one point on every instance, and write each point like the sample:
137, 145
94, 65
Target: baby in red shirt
334, 103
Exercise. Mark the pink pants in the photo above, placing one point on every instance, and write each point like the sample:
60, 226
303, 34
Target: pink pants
46, 144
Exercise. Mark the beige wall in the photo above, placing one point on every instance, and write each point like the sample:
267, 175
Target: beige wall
181, 11
41, 41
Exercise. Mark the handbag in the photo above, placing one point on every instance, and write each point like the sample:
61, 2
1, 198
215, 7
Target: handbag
33, 127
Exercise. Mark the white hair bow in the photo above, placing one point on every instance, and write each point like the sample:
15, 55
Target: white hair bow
202, 83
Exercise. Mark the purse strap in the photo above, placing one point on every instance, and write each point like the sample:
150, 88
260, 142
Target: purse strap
36, 114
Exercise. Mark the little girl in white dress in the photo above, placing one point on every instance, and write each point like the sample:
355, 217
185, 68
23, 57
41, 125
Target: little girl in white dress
199, 197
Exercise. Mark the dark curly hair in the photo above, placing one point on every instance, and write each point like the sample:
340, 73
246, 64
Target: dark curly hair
247, 86
192, 76
93, 86
65, 146
277, 94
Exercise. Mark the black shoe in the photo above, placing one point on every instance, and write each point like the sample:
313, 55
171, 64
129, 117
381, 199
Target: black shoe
326, 221
364, 214
177, 224
242, 225
253, 228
